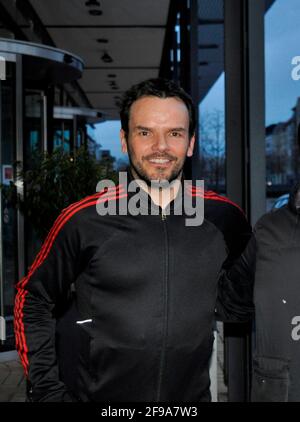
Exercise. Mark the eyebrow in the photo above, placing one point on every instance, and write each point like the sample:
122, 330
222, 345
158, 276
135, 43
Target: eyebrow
177, 129
142, 128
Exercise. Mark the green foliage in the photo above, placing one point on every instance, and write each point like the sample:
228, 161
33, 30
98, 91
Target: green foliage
54, 181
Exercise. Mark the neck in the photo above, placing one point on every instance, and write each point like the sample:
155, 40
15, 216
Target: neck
161, 196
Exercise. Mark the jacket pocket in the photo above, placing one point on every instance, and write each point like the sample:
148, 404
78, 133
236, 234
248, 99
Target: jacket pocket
270, 379
73, 338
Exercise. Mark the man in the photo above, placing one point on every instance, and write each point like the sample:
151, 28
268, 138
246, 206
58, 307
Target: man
145, 284
271, 262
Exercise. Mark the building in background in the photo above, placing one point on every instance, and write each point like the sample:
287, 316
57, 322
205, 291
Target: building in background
282, 153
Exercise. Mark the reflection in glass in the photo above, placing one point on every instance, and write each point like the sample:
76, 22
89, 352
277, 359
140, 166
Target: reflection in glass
33, 124
282, 98
9, 262
62, 135
211, 87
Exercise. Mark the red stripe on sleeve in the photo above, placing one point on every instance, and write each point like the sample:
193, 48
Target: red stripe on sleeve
61, 220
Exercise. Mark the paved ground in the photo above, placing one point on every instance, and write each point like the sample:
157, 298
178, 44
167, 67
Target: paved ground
222, 389
12, 381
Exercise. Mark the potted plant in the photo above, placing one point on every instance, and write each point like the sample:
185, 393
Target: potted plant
55, 180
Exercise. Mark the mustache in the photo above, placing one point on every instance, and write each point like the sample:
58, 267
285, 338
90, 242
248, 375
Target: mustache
160, 156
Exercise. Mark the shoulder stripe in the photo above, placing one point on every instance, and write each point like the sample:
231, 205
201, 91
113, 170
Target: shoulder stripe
53, 232
214, 196
222, 199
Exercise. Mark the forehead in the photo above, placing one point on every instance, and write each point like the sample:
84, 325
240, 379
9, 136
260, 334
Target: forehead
159, 110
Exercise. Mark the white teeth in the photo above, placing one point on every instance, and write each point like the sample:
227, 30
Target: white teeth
159, 161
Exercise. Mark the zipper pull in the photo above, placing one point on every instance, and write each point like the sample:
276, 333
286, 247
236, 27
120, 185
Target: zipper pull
163, 215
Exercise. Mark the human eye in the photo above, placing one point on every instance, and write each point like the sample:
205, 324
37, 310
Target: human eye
143, 133
175, 134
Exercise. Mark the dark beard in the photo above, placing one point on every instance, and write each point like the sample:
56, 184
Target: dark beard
159, 183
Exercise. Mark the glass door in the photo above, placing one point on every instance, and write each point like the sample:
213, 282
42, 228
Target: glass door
8, 212
63, 134
33, 123
34, 142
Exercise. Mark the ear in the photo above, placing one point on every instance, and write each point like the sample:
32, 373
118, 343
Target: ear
191, 146
123, 141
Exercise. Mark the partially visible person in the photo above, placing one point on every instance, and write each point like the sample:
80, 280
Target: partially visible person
271, 261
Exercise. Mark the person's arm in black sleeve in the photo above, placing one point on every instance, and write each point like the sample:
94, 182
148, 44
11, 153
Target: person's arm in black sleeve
235, 290
44, 289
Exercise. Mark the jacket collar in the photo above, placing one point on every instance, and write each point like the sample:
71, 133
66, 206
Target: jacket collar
146, 200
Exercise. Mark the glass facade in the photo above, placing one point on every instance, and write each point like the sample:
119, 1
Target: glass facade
9, 258
33, 123
212, 93
27, 116
282, 99
63, 135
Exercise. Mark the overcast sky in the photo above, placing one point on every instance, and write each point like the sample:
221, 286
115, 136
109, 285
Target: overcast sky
282, 34
107, 134
282, 43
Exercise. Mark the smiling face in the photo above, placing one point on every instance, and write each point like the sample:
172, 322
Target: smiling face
158, 138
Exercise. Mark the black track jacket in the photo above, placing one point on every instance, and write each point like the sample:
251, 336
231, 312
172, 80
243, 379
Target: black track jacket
140, 326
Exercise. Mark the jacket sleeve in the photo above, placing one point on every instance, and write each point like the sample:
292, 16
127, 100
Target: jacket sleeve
232, 223
40, 295
235, 290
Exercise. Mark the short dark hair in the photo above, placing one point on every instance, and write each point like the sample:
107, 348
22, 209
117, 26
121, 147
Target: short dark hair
161, 88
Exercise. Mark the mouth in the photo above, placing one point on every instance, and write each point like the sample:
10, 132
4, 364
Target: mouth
160, 162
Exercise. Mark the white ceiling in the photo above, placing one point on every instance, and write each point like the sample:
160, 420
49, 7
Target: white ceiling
127, 47
135, 32
115, 12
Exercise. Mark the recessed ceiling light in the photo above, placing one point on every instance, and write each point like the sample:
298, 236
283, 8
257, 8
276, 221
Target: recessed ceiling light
106, 58
95, 12
92, 3
102, 40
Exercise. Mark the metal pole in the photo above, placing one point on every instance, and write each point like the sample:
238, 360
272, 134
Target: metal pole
2, 320
245, 152
194, 75
44, 123
235, 339
256, 98
20, 157
236, 160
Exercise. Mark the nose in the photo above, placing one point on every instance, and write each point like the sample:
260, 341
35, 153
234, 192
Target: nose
160, 143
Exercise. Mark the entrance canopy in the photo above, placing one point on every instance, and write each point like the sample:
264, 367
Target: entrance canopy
41, 62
